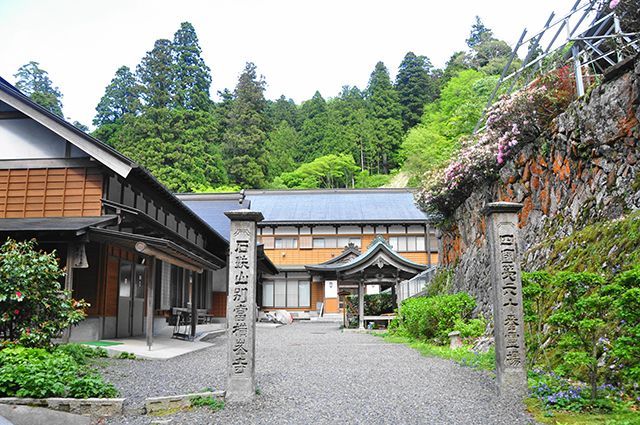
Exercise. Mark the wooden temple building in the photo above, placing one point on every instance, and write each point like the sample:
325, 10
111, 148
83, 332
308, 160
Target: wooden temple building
324, 242
131, 249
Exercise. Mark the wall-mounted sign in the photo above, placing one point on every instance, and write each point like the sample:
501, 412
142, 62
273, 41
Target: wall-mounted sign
331, 289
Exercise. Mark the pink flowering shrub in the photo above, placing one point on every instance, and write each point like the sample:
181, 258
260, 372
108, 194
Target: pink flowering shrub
512, 122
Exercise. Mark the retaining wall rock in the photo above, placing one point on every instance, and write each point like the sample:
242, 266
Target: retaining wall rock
585, 169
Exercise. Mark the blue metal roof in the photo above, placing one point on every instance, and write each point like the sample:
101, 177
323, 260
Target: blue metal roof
310, 206
212, 212
328, 206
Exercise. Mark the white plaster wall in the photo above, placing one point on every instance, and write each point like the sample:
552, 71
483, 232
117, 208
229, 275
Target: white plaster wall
27, 139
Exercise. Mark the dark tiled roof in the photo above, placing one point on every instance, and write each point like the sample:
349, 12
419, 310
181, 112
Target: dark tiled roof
60, 224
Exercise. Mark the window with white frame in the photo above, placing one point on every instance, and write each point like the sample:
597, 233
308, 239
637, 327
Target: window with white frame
407, 243
336, 242
291, 293
286, 243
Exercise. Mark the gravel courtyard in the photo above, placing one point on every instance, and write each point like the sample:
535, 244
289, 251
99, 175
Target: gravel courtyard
313, 373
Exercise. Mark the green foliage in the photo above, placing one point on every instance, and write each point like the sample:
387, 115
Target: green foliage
581, 321
281, 145
38, 373
625, 292
330, 171
121, 97
416, 86
432, 318
33, 306
441, 283
350, 128
472, 328
607, 247
364, 179
176, 145
126, 356
155, 73
315, 123
585, 326
375, 304
191, 75
385, 113
211, 402
431, 145
557, 393
81, 353
246, 131
463, 355
479, 33
34, 82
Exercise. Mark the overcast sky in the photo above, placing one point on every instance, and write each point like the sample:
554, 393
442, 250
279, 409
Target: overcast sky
300, 46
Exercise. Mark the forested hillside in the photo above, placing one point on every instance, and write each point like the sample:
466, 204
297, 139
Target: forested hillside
163, 116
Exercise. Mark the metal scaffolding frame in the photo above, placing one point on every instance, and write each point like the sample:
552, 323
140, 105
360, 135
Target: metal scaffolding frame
588, 51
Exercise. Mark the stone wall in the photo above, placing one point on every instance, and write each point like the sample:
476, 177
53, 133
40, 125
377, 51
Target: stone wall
584, 170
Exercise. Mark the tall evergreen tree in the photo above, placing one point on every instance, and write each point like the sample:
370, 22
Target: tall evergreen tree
281, 146
350, 129
34, 82
314, 120
155, 73
386, 116
416, 86
246, 131
192, 77
178, 146
478, 34
282, 109
120, 98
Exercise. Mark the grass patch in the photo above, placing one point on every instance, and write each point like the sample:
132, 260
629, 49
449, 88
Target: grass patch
544, 416
464, 355
168, 412
211, 402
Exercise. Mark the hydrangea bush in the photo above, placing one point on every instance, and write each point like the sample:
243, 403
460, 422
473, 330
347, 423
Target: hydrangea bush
512, 122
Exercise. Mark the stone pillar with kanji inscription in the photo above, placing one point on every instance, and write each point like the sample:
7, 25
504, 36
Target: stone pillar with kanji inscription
508, 316
241, 306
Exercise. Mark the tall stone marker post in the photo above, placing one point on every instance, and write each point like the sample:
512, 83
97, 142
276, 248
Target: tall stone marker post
502, 236
241, 306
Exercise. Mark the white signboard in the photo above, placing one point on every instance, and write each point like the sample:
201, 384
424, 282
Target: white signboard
331, 289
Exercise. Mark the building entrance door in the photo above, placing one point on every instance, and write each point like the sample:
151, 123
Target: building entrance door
130, 300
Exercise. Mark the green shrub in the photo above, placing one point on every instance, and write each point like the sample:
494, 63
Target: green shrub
39, 373
585, 327
472, 328
33, 306
80, 353
434, 317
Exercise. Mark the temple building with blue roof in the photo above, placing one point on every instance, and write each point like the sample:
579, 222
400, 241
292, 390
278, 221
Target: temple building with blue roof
326, 241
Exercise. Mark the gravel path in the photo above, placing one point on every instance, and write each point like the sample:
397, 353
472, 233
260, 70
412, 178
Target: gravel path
313, 373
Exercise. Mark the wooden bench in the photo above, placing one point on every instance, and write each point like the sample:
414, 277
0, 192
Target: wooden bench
388, 319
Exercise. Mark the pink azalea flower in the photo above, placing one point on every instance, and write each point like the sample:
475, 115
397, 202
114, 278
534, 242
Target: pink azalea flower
613, 4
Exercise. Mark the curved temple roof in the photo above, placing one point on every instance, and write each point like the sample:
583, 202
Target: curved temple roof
379, 255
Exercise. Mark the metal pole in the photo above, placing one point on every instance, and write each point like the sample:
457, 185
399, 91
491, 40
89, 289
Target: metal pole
577, 70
